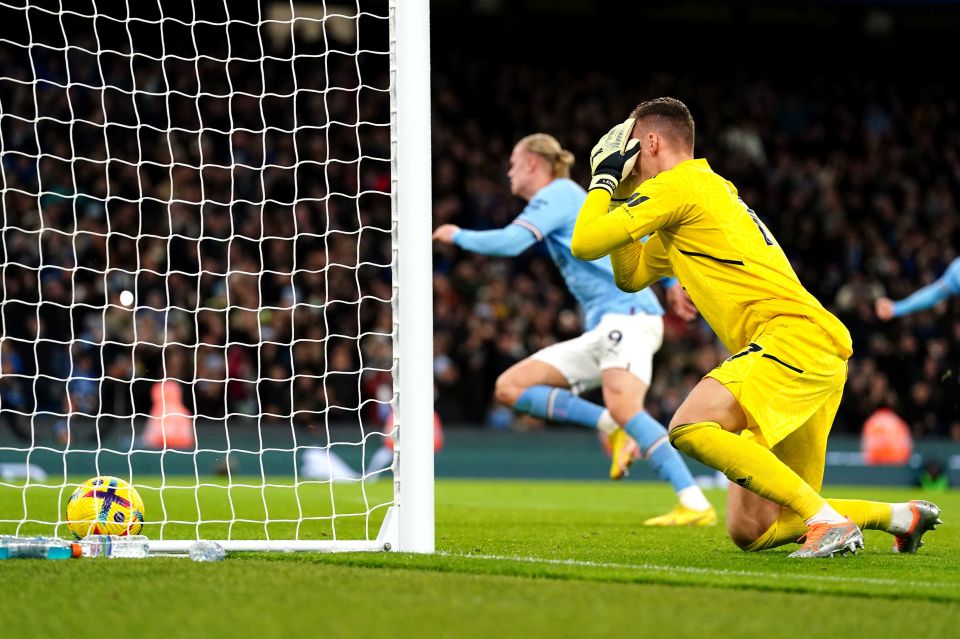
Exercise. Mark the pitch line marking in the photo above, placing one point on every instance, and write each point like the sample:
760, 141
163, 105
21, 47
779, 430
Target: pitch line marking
871, 581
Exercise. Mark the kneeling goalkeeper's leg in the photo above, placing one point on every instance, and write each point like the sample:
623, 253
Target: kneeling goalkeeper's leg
747, 464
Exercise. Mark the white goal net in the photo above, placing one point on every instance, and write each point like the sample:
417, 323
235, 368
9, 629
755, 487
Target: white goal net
199, 252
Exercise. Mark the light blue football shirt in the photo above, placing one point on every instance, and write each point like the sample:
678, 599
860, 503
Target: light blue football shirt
551, 215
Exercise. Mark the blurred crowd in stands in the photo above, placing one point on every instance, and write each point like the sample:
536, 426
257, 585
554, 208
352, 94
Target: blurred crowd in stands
254, 283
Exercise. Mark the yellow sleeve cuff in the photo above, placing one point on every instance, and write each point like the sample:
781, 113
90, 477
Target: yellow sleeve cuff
597, 232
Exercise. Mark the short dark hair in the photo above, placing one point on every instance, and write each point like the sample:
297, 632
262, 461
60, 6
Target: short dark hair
670, 115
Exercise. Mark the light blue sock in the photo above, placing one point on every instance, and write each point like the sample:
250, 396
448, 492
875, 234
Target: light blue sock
651, 436
558, 405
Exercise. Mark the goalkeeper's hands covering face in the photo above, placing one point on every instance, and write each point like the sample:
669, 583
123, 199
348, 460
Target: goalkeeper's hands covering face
614, 156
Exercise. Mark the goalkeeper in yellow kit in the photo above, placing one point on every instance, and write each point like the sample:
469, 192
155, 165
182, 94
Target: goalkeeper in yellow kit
762, 417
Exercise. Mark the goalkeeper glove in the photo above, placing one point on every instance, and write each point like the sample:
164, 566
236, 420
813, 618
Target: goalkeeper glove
613, 157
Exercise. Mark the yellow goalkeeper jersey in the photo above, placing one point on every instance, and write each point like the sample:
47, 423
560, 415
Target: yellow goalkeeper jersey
722, 254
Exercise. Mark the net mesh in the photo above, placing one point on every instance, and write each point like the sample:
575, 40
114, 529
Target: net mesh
196, 252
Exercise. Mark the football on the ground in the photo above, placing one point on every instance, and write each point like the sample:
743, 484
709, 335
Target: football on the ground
104, 506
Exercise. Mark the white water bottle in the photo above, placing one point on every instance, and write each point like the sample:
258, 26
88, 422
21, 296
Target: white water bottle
206, 551
130, 547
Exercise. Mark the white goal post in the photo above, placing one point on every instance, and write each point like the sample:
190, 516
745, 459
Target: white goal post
413, 264
216, 269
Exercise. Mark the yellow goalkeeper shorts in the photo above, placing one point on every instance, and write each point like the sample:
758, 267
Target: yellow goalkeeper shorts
788, 381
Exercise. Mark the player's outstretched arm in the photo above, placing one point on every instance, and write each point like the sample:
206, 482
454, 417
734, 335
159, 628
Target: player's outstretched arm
509, 241
920, 300
445, 232
926, 297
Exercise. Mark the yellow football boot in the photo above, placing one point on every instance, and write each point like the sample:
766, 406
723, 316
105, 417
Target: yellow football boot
683, 516
623, 450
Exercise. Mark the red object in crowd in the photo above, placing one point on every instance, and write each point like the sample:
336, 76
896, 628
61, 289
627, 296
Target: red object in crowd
170, 424
886, 439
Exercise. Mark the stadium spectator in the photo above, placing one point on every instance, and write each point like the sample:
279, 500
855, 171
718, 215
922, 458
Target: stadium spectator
170, 424
886, 439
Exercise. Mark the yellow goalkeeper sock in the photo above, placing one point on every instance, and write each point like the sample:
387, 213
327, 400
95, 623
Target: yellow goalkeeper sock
748, 464
874, 515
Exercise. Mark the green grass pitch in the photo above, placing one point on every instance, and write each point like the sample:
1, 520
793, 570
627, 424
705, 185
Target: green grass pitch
524, 559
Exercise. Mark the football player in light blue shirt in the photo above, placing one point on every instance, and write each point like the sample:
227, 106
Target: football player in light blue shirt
624, 330
924, 298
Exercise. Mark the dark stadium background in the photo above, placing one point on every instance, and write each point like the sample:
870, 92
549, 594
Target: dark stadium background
837, 121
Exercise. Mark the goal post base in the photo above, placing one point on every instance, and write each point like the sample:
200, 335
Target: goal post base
389, 535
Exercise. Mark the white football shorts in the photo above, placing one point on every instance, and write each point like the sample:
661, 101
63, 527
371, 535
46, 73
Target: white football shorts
618, 341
